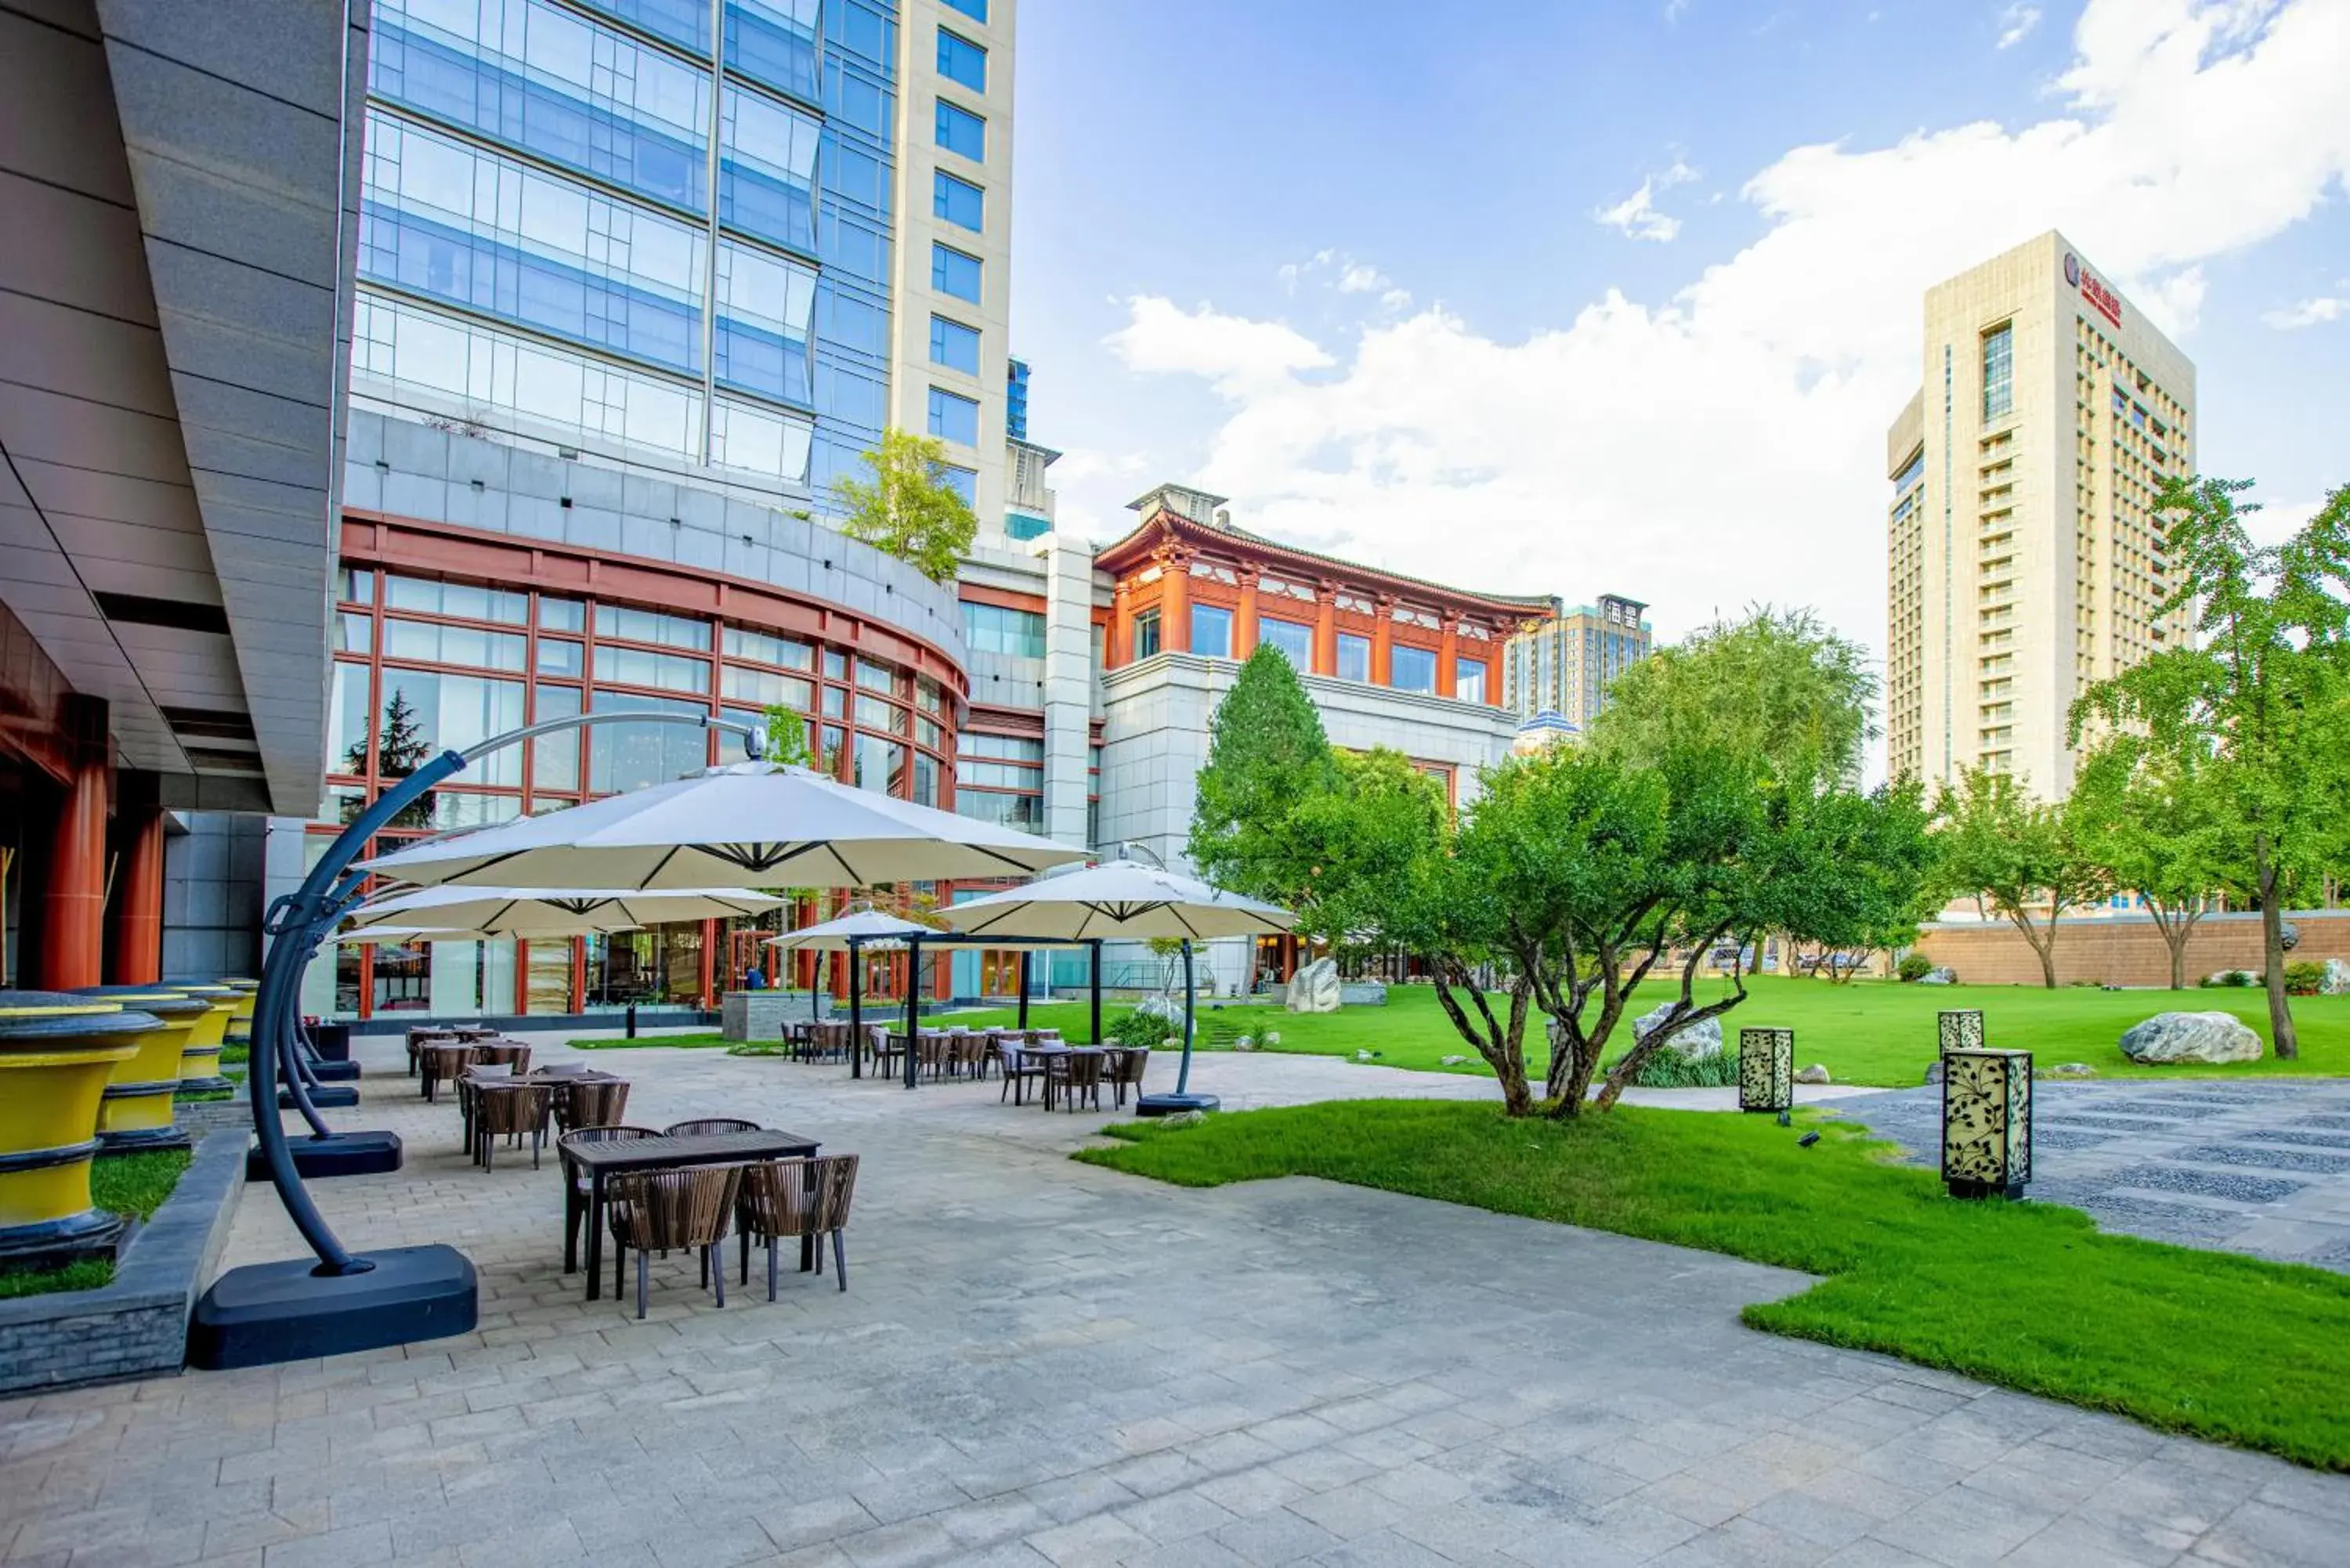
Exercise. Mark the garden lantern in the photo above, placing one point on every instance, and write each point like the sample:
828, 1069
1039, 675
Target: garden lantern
1986, 1122
1766, 1069
1961, 1032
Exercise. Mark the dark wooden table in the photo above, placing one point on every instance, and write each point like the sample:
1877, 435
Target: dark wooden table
597, 1162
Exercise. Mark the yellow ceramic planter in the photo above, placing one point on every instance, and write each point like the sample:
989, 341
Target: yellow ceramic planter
200, 1056
136, 1113
240, 1020
56, 1052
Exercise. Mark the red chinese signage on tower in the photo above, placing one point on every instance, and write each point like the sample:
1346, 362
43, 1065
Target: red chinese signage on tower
2093, 289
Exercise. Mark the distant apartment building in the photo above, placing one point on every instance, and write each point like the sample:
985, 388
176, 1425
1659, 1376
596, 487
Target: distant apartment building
1557, 671
2023, 561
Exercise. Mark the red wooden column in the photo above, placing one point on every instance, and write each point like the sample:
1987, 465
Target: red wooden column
1447, 652
1382, 639
1174, 601
138, 950
1326, 627
72, 906
1244, 621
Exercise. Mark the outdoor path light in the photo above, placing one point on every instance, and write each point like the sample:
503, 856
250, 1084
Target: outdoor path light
1766, 1069
1986, 1122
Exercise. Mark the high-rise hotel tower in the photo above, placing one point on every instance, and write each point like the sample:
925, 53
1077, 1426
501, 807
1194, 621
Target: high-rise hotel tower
2023, 562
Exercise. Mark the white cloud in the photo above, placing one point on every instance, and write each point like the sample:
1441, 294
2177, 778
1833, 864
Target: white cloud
1635, 216
1347, 276
2309, 313
1726, 444
2015, 24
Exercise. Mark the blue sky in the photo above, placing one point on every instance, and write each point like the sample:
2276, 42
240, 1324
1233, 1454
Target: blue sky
1380, 272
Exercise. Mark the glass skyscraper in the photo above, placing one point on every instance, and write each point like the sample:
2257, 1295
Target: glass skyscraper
677, 234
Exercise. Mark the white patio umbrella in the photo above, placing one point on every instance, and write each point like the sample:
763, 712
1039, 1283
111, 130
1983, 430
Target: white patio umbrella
781, 824
555, 911
859, 931
1125, 899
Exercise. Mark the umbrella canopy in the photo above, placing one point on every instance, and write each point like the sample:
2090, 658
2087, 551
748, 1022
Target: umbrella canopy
867, 929
554, 911
787, 825
410, 936
1122, 898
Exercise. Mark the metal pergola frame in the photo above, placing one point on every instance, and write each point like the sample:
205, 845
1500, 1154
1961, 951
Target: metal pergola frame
913, 947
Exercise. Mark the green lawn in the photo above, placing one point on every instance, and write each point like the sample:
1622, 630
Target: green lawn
2027, 1295
134, 1184
1870, 1032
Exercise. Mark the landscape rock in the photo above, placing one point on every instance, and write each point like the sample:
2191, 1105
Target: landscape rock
1941, 974
1158, 1007
1271, 1037
1815, 1074
2288, 935
1364, 992
2069, 1070
1244, 1043
2337, 978
2203, 1038
1315, 988
1696, 1041
1454, 1061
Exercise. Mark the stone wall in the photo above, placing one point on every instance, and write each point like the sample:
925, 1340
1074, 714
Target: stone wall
761, 1014
137, 1325
2124, 950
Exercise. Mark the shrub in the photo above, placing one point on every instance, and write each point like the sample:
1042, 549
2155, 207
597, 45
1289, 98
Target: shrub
2237, 978
1669, 1069
2303, 977
1140, 1028
1914, 967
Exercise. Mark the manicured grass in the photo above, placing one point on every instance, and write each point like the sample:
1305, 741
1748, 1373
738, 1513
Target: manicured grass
134, 1184
203, 1096
1870, 1032
235, 1056
2027, 1295
701, 1040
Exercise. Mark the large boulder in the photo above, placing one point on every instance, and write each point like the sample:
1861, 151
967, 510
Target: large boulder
1695, 1040
1942, 974
2337, 978
1315, 987
2200, 1038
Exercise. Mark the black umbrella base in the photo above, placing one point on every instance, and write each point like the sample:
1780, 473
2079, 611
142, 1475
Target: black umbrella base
1172, 1105
266, 1313
325, 1096
337, 1154
326, 1070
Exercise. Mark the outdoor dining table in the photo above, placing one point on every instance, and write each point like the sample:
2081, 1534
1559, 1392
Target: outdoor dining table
599, 1161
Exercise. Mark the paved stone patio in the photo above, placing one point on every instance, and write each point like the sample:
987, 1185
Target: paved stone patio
1039, 1361
2253, 1166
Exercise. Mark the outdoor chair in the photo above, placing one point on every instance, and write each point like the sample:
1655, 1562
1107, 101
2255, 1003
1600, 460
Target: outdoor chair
889, 1052
505, 1111
933, 1048
590, 1102
577, 1190
509, 1053
1019, 1071
686, 1210
440, 1060
971, 1052
701, 1125
794, 1197
1072, 1076
1127, 1068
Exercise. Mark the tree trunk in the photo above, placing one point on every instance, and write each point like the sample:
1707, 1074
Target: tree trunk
2280, 1031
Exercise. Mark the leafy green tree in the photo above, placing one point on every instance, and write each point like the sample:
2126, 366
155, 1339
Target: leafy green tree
2264, 688
2161, 830
1266, 754
787, 738
2014, 855
908, 509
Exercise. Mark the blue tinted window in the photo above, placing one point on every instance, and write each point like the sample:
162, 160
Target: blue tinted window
1026, 525
766, 305
684, 22
1211, 631
974, 9
962, 61
1294, 638
1354, 656
958, 202
964, 482
773, 41
963, 132
444, 219
1412, 669
766, 179
553, 82
954, 345
1015, 633
951, 272
955, 418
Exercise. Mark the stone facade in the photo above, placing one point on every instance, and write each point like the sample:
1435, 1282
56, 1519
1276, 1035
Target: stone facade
2124, 950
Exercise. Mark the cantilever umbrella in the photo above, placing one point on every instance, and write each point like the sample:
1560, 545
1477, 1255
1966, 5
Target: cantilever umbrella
554, 911
1124, 899
780, 825
859, 931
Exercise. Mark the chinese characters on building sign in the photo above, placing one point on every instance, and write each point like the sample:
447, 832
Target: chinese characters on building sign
2108, 302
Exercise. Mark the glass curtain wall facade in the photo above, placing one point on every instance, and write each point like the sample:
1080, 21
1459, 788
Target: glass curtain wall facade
424, 664
607, 222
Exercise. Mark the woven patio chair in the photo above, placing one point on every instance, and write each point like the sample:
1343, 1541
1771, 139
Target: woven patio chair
590, 1102
1073, 1075
576, 1191
794, 1197
686, 1210
701, 1125
437, 1061
1019, 1070
513, 1112
1127, 1068
509, 1053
